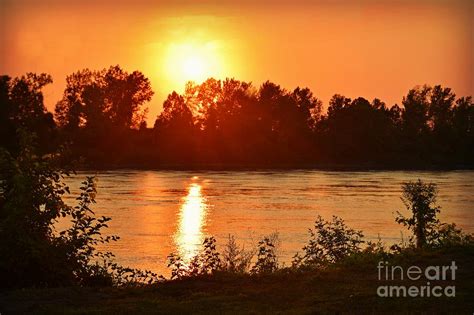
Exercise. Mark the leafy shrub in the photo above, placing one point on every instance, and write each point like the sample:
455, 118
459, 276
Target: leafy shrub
329, 242
235, 258
206, 262
179, 269
445, 234
267, 261
369, 256
30, 202
32, 251
210, 258
125, 276
420, 199
78, 243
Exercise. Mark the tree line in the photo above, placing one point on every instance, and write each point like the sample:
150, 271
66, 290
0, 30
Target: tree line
101, 117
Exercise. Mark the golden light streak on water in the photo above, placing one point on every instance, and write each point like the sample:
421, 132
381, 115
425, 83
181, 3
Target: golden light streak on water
193, 211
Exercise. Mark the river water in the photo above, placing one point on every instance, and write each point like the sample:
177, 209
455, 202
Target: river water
159, 212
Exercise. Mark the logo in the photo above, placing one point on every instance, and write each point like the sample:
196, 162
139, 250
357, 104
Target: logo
431, 277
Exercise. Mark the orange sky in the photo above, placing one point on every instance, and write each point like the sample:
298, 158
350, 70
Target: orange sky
358, 48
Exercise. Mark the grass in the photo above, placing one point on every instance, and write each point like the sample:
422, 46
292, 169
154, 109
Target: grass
349, 287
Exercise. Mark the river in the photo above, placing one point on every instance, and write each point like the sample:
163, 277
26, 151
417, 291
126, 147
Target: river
159, 212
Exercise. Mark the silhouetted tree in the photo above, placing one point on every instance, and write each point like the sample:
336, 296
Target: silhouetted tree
415, 128
231, 122
440, 110
22, 105
357, 131
99, 109
415, 111
175, 115
463, 125
175, 131
107, 96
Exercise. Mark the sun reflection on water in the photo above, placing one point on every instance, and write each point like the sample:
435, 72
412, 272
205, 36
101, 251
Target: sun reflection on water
189, 235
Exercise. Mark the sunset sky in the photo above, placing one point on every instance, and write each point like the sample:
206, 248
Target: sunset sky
359, 48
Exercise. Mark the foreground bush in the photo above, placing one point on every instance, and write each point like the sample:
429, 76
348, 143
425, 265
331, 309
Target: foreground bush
32, 251
420, 199
235, 259
329, 242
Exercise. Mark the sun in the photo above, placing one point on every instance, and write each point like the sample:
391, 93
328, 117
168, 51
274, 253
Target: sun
192, 61
193, 67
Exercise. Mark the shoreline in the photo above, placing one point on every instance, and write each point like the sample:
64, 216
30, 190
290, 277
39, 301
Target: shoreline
274, 167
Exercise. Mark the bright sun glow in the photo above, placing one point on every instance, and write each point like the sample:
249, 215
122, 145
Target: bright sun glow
193, 67
192, 61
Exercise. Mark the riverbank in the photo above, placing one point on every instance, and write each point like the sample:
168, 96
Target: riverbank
347, 287
360, 167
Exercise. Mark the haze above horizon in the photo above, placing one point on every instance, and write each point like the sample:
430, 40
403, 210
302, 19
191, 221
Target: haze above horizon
365, 48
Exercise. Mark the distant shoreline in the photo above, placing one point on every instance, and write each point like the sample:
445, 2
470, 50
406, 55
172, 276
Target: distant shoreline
271, 167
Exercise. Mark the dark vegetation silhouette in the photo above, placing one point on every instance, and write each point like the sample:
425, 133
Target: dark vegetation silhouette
329, 242
33, 251
231, 123
21, 106
420, 199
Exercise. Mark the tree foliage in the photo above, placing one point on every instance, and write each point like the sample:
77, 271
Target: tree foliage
267, 260
33, 251
329, 242
107, 97
22, 106
236, 258
420, 199
235, 123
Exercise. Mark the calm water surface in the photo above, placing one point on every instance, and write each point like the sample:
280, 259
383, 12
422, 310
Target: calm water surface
159, 212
